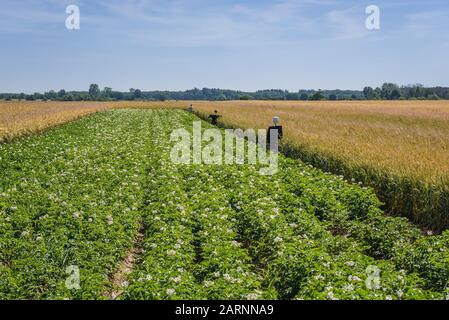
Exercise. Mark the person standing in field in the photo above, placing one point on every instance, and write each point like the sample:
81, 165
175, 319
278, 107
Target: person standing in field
214, 118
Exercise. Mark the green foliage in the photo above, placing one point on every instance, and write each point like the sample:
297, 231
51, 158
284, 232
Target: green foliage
94, 91
423, 203
304, 96
82, 193
388, 91
318, 96
429, 257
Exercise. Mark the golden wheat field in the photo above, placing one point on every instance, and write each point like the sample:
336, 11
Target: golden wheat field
400, 148
21, 118
408, 138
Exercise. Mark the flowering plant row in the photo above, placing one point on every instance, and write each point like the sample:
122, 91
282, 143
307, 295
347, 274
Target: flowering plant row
69, 198
90, 192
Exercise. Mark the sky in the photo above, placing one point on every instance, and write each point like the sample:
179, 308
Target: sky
231, 44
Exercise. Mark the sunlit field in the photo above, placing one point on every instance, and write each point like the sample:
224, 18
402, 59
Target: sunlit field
97, 209
21, 118
407, 138
400, 148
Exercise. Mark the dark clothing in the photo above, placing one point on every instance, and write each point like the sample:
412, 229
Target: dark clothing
214, 118
278, 130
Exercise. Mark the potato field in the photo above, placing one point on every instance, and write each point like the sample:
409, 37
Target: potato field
96, 209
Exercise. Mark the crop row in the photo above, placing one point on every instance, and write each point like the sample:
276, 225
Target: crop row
354, 212
69, 201
190, 249
80, 195
168, 256
286, 241
301, 258
335, 221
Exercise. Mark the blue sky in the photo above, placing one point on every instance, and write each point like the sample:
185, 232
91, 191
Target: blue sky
247, 45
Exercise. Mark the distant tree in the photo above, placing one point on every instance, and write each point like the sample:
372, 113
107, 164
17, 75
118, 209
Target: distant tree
368, 92
38, 96
433, 96
390, 91
137, 94
106, 93
161, 96
94, 91
80, 96
51, 95
292, 96
131, 94
413, 91
61, 93
117, 95
333, 97
221, 97
395, 94
317, 96
377, 93
304, 96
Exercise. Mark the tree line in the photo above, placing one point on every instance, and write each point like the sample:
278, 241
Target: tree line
388, 91
391, 91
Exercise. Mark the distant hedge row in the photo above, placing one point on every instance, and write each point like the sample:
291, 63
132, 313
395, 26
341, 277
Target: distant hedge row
388, 91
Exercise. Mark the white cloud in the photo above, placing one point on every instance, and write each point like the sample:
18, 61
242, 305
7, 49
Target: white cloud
202, 23
427, 22
348, 23
197, 23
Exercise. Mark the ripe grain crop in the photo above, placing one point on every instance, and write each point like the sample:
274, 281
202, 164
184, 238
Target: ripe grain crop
22, 118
